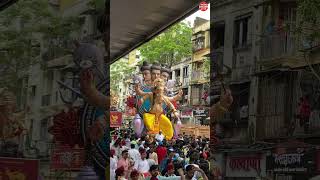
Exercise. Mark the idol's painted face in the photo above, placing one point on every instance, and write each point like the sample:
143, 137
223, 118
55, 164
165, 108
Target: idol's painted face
146, 75
165, 76
155, 74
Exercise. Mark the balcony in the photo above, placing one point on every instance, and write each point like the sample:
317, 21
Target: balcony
241, 73
185, 82
278, 46
199, 77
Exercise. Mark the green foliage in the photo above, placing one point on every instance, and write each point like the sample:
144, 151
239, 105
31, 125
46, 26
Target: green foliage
169, 47
309, 14
23, 26
98, 5
118, 72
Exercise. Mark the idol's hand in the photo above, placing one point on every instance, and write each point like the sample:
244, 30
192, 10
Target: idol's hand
176, 115
86, 82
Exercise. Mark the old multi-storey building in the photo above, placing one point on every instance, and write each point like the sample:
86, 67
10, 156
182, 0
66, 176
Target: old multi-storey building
38, 85
181, 73
200, 64
275, 112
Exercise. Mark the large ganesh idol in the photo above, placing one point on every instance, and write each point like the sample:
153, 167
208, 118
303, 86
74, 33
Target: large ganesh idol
155, 119
151, 73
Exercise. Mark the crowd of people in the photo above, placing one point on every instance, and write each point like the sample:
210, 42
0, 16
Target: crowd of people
153, 157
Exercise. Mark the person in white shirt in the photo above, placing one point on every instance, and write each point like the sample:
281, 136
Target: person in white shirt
142, 165
160, 136
134, 153
113, 164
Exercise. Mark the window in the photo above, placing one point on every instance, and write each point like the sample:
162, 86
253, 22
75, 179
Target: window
33, 91
218, 35
177, 73
185, 71
57, 96
44, 129
243, 31
199, 42
46, 100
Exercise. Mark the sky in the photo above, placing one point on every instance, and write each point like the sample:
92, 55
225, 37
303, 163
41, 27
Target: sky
202, 14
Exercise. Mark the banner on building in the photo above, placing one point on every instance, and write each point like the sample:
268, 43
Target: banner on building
201, 112
115, 119
66, 158
291, 162
246, 165
186, 112
14, 168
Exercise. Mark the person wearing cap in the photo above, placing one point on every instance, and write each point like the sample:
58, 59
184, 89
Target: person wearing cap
193, 172
170, 170
120, 173
135, 175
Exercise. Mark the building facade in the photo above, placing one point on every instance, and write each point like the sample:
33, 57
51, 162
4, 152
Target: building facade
275, 109
40, 84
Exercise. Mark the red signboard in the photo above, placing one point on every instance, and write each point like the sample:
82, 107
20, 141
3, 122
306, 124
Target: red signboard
115, 119
13, 168
66, 158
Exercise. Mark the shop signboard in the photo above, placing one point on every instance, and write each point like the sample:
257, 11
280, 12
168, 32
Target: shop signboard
246, 165
16, 168
291, 162
201, 112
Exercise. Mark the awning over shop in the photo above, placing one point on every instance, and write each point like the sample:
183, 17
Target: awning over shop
133, 23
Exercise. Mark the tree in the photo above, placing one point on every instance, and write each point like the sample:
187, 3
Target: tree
24, 26
119, 71
309, 15
169, 47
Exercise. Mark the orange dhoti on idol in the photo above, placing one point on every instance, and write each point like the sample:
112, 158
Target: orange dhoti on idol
154, 124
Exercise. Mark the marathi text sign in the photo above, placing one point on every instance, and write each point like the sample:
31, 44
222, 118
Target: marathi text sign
13, 168
246, 166
290, 162
115, 119
200, 113
66, 158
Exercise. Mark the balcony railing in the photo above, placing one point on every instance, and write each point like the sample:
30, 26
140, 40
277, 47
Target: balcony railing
199, 76
278, 45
